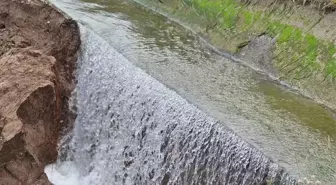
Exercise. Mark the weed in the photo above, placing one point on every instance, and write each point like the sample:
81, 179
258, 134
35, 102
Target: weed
299, 56
233, 19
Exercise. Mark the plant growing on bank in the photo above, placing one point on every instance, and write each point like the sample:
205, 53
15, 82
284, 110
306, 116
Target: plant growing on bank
298, 54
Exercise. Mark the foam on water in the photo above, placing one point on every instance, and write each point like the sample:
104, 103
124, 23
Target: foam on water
64, 173
131, 129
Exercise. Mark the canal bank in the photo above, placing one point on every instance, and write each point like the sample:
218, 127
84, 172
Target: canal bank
264, 114
300, 38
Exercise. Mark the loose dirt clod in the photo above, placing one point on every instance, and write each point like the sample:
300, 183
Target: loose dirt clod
38, 46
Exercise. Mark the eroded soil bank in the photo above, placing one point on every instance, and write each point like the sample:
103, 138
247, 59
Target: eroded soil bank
38, 46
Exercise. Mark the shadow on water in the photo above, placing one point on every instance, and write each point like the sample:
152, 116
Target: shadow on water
308, 112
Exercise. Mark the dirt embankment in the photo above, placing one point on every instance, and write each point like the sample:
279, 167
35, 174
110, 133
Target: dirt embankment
38, 47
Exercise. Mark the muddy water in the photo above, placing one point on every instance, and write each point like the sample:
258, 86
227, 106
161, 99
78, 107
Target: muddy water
295, 132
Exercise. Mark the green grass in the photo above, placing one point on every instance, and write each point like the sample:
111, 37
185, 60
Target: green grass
298, 54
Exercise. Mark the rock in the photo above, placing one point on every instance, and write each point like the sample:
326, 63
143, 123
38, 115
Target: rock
20, 41
28, 103
36, 80
20, 169
24, 169
22, 79
43, 180
3, 15
8, 179
2, 141
258, 54
2, 119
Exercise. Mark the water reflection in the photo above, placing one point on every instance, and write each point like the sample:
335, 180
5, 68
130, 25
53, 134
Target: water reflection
290, 129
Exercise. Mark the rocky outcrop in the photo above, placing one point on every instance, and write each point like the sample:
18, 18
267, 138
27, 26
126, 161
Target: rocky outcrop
38, 46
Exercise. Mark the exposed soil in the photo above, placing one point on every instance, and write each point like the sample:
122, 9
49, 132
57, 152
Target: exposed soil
38, 53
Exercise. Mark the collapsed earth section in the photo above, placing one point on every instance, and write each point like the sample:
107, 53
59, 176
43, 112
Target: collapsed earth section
38, 54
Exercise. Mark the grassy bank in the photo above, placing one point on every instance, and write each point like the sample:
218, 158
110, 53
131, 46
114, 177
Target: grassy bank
299, 57
237, 23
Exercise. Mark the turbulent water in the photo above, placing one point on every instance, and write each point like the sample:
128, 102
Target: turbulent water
132, 129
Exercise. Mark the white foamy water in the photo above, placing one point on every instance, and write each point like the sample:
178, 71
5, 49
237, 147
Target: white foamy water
131, 129
225, 90
65, 173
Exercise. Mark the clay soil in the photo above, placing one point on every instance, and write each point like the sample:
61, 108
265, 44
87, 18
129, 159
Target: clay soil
38, 53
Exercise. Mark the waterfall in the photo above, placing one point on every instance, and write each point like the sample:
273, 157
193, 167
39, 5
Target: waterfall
131, 129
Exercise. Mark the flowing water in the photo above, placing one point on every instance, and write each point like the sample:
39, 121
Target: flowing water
155, 106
